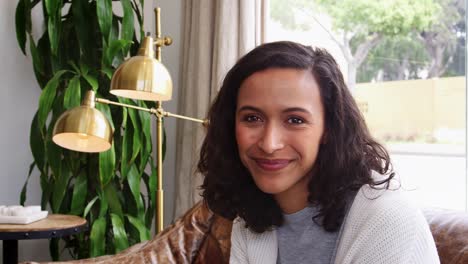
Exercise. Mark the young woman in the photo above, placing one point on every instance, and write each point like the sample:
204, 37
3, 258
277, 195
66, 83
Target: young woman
288, 156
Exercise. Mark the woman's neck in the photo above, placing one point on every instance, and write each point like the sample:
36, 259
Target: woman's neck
293, 199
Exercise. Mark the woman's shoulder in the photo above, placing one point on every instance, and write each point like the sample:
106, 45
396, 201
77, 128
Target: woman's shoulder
386, 213
371, 201
251, 247
384, 223
242, 235
240, 230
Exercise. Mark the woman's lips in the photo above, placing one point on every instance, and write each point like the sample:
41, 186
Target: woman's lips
271, 164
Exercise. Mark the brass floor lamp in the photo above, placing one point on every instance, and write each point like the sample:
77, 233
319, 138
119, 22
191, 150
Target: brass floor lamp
142, 77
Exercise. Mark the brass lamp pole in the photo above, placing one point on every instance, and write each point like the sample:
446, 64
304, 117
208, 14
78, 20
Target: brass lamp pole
142, 77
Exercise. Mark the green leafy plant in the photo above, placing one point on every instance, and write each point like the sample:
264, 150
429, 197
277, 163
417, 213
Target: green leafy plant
82, 43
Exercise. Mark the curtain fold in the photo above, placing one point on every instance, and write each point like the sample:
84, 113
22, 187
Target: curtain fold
216, 34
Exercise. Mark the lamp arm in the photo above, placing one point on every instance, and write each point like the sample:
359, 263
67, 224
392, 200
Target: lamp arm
203, 121
105, 101
158, 111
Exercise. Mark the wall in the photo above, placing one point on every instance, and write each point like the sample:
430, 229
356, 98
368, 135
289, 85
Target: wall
18, 103
425, 110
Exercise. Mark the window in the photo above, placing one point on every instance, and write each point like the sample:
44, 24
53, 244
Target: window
404, 61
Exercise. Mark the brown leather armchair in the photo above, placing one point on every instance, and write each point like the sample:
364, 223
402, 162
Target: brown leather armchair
203, 237
450, 231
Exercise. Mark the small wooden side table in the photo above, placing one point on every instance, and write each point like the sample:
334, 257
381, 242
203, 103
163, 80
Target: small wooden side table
54, 225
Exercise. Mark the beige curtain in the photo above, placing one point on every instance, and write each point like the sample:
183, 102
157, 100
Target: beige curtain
216, 34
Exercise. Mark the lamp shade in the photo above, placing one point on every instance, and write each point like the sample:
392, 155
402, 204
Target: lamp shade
84, 129
142, 77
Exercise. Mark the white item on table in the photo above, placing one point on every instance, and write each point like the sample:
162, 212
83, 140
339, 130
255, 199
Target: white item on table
18, 214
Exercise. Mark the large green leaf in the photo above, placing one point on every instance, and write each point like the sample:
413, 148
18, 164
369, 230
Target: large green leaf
107, 166
21, 16
89, 206
145, 118
115, 47
72, 96
112, 198
107, 159
107, 71
115, 29
151, 181
127, 22
103, 205
124, 113
132, 138
120, 236
98, 237
47, 97
139, 15
83, 27
60, 187
54, 156
80, 191
25, 185
37, 144
126, 151
84, 68
41, 56
52, 6
136, 134
37, 60
164, 144
134, 179
126, 142
104, 14
54, 23
75, 67
46, 187
146, 149
54, 27
92, 81
140, 226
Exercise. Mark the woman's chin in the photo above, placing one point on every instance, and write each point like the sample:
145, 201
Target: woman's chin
270, 188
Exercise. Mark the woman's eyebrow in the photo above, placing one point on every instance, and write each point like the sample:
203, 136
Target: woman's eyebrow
249, 108
287, 110
296, 109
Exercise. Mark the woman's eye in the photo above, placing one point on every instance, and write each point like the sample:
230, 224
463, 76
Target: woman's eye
252, 118
295, 120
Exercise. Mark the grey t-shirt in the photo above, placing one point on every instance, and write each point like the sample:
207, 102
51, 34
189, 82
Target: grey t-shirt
301, 240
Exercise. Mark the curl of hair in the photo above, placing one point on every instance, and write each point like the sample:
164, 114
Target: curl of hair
345, 160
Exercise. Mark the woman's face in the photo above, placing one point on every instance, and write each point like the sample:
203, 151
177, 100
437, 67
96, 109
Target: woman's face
279, 129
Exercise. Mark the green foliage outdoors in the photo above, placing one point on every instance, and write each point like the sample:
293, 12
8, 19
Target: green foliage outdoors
360, 25
80, 47
389, 17
360, 17
438, 49
395, 58
285, 12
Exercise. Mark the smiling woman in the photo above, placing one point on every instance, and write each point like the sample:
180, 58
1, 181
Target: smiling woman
289, 157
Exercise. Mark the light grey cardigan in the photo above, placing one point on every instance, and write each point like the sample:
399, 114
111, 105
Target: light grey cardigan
381, 227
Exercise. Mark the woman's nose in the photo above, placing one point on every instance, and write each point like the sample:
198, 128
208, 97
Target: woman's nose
271, 139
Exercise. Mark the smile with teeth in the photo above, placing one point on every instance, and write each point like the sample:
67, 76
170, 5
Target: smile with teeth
272, 164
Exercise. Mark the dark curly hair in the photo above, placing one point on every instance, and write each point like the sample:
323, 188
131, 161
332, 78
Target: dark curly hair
344, 163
